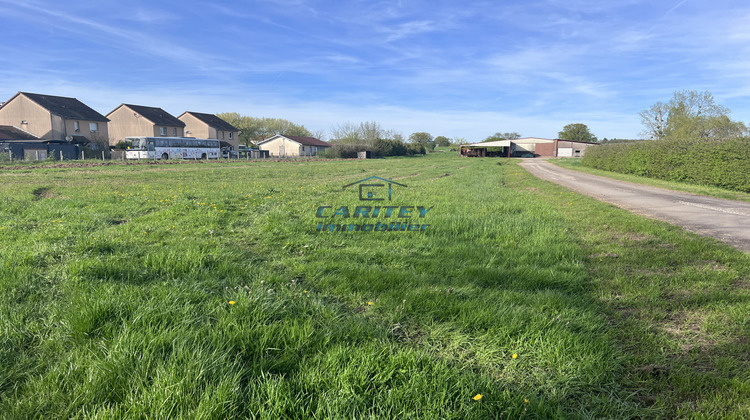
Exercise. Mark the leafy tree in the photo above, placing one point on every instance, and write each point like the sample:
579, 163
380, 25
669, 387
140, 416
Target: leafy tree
576, 132
690, 115
442, 141
253, 129
503, 136
421, 137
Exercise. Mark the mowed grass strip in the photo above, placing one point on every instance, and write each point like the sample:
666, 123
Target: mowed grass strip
206, 291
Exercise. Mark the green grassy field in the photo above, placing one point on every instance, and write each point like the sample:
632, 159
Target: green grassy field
205, 291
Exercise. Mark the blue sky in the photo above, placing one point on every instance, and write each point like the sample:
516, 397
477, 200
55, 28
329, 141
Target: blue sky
454, 68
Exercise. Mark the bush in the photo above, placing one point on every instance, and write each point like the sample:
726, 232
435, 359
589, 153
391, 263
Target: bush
379, 148
415, 149
343, 151
724, 164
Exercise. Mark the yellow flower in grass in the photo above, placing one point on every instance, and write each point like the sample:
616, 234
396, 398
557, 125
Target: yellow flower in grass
525, 400
515, 356
370, 303
477, 397
231, 302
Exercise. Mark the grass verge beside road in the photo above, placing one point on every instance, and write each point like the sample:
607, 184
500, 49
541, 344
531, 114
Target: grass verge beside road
670, 185
206, 291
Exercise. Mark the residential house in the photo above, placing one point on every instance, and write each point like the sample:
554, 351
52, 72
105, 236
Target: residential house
287, 146
210, 126
137, 120
54, 118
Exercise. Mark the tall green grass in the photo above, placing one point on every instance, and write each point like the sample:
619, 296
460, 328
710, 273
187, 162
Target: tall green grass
205, 291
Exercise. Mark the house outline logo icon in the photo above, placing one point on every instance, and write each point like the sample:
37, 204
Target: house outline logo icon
371, 195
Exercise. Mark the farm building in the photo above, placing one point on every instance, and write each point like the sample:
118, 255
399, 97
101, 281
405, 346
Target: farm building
526, 147
288, 146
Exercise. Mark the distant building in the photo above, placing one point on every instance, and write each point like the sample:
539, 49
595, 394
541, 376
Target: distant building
210, 126
137, 120
288, 146
54, 118
526, 147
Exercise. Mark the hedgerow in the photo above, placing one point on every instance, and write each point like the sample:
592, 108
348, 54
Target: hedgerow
724, 164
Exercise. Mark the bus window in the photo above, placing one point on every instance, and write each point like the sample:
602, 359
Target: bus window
150, 145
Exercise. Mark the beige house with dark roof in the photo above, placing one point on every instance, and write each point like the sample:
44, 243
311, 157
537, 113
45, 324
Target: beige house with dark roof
54, 118
209, 126
288, 146
137, 120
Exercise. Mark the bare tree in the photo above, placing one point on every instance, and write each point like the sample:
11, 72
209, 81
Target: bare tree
654, 121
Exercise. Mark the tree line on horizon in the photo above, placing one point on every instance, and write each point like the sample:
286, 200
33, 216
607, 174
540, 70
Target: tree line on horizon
347, 138
689, 114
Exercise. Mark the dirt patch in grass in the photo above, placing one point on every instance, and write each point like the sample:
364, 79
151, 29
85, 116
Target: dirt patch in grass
710, 266
408, 176
604, 255
42, 192
688, 330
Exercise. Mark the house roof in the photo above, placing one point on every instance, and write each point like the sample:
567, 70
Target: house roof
496, 143
157, 116
8, 132
34, 142
306, 141
68, 108
212, 121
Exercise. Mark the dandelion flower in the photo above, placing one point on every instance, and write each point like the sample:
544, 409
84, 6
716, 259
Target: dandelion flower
370, 303
231, 302
515, 355
477, 397
525, 400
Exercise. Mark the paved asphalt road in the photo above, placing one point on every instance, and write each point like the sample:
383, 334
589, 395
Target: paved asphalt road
726, 220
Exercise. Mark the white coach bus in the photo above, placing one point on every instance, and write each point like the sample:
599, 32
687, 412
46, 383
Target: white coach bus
172, 148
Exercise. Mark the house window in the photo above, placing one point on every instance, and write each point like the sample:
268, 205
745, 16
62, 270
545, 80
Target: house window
76, 126
174, 132
163, 131
222, 134
93, 127
230, 135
